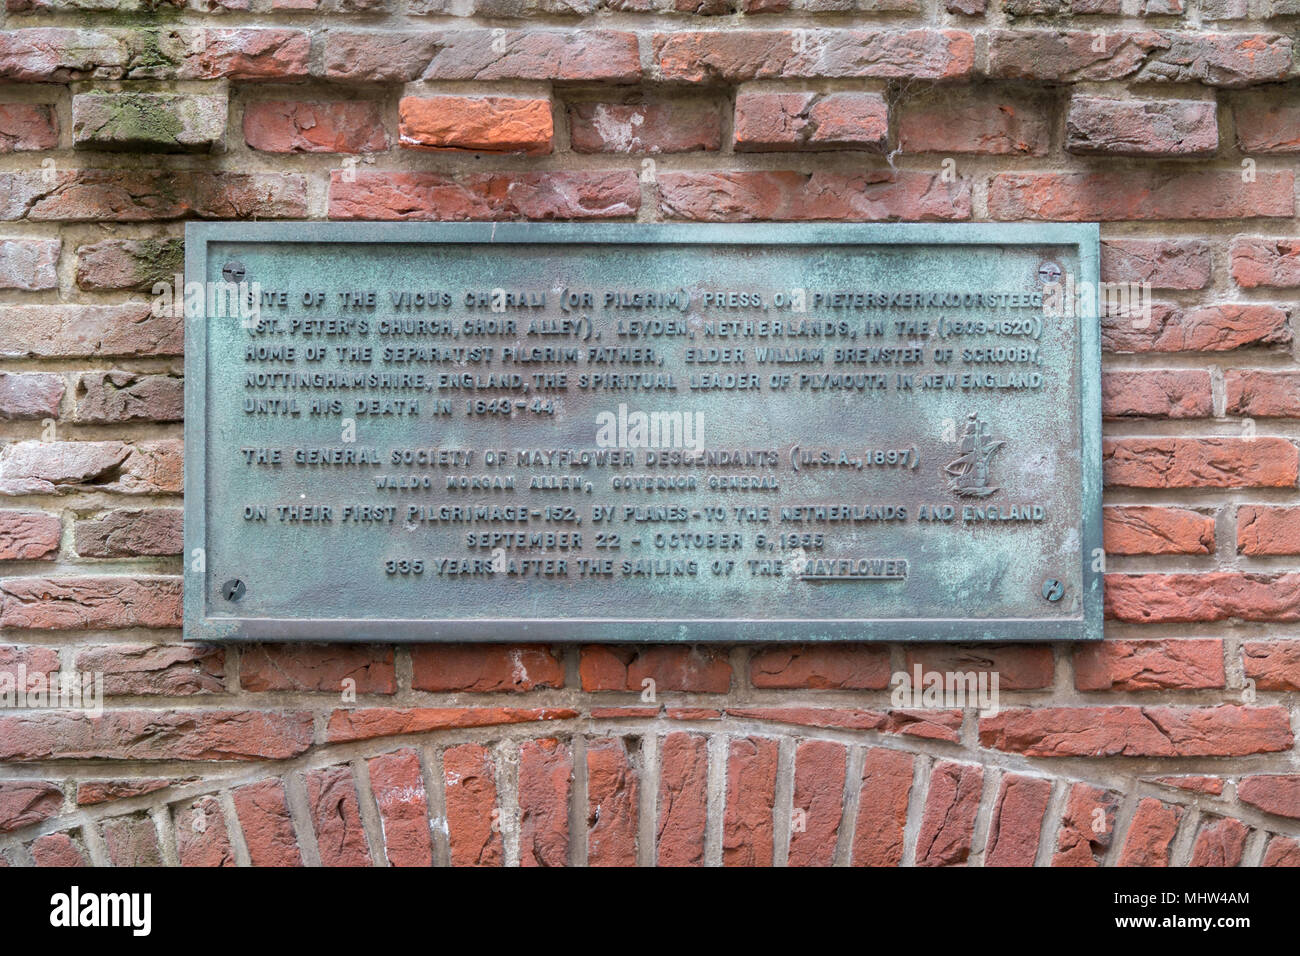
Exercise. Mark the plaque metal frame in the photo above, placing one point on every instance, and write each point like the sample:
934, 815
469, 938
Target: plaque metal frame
1087, 625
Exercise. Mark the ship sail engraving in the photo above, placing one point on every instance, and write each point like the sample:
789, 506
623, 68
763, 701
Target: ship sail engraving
969, 471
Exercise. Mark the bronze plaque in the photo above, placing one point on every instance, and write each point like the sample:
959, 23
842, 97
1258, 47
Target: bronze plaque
641, 433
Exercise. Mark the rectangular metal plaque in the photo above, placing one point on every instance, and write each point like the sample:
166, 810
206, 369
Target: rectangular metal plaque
549, 432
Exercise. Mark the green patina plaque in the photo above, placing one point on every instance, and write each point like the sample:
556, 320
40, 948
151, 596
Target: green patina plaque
551, 432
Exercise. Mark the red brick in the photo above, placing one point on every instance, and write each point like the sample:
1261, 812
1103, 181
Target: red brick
950, 808
264, 819
1263, 261
29, 536
108, 398
336, 817
819, 774
250, 54
27, 396
369, 723
399, 793
340, 126
155, 735
1223, 731
1220, 844
1282, 851
1263, 529
308, 667
1150, 834
59, 849
1140, 194
126, 533
493, 124
1017, 821
89, 331
1267, 121
201, 836
668, 126
1098, 125
473, 821
1263, 394
26, 126
91, 792
882, 808
132, 841
420, 196
136, 264
874, 196
1018, 666
930, 724
28, 264
1273, 665
729, 56
545, 779
572, 55
131, 195
43, 659
1189, 663
1156, 393
747, 824
1199, 463
612, 804
1210, 785
1215, 59
484, 668
1152, 529
25, 802
821, 667
1216, 328
994, 122
1278, 794
1086, 833
170, 670
1197, 598
1164, 263
683, 799
702, 670
62, 604
768, 121
40, 467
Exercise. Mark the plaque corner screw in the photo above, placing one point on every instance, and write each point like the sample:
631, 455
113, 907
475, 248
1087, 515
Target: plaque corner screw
1049, 272
1053, 589
233, 589
233, 271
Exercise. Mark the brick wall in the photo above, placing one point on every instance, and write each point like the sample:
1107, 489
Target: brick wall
1176, 123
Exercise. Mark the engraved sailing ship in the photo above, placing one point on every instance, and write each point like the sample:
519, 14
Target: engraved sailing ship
969, 471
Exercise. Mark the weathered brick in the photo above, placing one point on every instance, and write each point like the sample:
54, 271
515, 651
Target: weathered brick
491, 124
398, 787
1086, 835
882, 808
819, 773
997, 122
1267, 121
948, 824
1190, 663
148, 122
1018, 666
1150, 834
613, 787
336, 817
28, 126
1220, 844
1273, 665
1156, 393
201, 835
1152, 529
1140, 194
25, 802
419, 196
263, 814
30, 395
1282, 851
821, 666
756, 195
1199, 463
1196, 598
93, 331
545, 779
1215, 328
29, 536
1017, 821
55, 467
473, 826
1263, 261
61, 604
132, 841
135, 264
1262, 393
1278, 794
1194, 784
130, 533
338, 126
368, 723
92, 792
1098, 125
1164, 263
683, 800
703, 669
662, 126
767, 121
748, 834
484, 668
1263, 529
1222, 731
29, 264
110, 397
171, 670
331, 668
729, 56
58, 849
